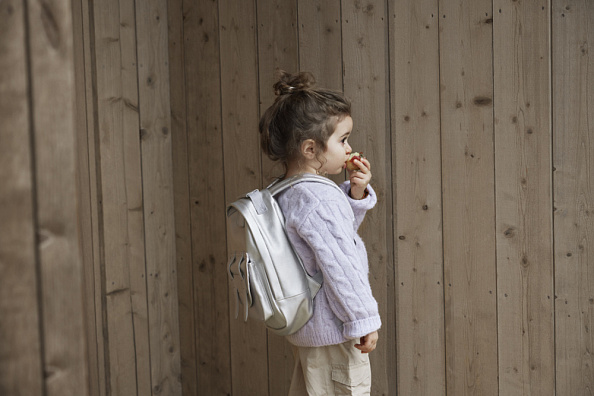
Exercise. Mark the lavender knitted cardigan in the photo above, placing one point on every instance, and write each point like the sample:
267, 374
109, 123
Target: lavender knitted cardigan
322, 224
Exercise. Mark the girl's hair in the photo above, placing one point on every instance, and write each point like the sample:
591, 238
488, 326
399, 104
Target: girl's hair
300, 112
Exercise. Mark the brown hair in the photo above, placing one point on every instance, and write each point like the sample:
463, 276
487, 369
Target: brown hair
300, 112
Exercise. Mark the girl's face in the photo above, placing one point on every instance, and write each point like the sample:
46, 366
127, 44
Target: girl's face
338, 148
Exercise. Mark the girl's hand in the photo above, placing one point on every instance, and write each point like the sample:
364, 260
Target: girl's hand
360, 178
368, 342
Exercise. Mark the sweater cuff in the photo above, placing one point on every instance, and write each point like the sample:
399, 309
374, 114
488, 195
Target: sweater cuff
360, 328
360, 204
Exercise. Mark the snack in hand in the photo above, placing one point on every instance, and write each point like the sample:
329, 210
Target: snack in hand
350, 165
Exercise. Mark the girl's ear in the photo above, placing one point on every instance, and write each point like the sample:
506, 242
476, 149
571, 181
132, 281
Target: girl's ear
308, 149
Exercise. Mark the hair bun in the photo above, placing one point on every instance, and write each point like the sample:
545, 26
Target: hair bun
290, 83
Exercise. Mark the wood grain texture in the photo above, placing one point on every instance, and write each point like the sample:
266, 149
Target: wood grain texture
365, 60
451, 103
207, 196
466, 77
521, 48
320, 41
93, 270
21, 362
60, 260
87, 181
121, 220
573, 178
137, 242
239, 109
158, 197
181, 193
416, 186
277, 49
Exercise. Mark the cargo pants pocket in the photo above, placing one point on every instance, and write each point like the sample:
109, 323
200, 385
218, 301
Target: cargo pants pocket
352, 380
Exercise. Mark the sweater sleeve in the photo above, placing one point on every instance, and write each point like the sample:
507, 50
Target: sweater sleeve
330, 234
360, 206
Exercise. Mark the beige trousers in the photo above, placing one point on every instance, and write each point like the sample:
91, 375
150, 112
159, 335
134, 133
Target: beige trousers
331, 370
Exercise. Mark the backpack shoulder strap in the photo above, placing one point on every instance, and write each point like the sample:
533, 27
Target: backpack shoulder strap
280, 185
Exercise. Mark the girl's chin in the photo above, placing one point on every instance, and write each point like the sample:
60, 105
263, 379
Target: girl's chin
336, 172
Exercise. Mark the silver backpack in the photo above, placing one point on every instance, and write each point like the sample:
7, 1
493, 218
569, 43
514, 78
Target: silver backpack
266, 274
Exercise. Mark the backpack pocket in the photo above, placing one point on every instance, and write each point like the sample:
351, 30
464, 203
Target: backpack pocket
240, 280
260, 295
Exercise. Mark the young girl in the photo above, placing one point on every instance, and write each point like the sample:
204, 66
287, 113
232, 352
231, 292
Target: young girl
307, 130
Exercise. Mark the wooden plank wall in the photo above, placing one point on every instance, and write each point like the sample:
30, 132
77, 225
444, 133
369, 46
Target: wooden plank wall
476, 117
42, 333
417, 208
138, 123
20, 353
468, 196
524, 204
573, 181
126, 193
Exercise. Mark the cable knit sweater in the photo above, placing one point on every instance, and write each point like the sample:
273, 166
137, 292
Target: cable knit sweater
322, 224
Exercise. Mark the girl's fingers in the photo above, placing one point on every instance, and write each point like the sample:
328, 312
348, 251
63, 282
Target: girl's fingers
360, 178
366, 163
363, 175
366, 346
363, 167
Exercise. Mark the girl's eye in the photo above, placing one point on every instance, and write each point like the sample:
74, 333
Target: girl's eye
344, 140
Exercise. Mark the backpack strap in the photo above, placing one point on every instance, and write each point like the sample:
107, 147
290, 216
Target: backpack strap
281, 185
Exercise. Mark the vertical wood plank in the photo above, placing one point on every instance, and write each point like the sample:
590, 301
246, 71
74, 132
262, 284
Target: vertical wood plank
53, 115
277, 48
181, 188
94, 280
86, 180
239, 91
466, 76
365, 61
120, 206
416, 171
136, 243
157, 182
207, 196
320, 41
573, 140
521, 56
21, 362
